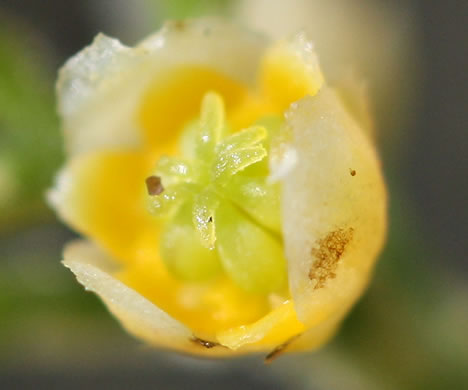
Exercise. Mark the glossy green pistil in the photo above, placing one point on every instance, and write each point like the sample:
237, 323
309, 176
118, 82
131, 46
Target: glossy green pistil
219, 213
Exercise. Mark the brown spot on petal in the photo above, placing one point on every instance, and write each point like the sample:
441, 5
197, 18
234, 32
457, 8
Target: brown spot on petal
280, 349
352, 172
327, 254
204, 343
154, 185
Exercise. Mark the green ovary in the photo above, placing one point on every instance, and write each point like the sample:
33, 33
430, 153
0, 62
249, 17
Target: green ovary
218, 210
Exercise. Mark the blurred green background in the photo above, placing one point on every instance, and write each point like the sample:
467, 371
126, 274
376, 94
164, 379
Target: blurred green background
410, 330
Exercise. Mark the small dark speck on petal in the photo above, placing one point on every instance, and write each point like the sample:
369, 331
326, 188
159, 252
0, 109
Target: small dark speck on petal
352, 172
204, 343
154, 185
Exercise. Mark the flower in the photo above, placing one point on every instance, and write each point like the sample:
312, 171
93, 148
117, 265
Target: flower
231, 202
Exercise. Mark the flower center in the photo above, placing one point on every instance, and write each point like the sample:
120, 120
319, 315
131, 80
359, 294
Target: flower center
219, 213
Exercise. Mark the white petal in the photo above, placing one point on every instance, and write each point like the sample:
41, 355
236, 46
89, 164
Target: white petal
100, 88
333, 206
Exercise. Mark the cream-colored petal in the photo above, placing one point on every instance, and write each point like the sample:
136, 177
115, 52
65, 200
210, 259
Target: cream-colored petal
94, 270
333, 207
95, 99
100, 88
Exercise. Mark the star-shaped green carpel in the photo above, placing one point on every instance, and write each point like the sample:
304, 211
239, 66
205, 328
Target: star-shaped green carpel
219, 210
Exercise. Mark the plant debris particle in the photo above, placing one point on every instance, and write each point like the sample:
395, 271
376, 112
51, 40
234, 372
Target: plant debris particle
204, 343
154, 185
